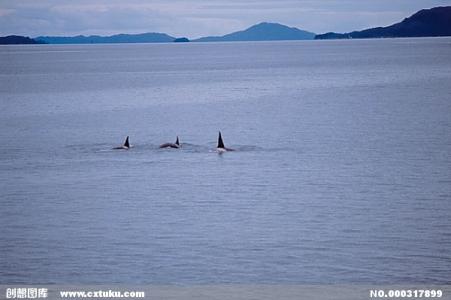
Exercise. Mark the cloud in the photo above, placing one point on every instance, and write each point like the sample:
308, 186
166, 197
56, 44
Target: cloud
194, 18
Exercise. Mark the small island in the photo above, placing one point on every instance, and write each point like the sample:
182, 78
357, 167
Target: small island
181, 40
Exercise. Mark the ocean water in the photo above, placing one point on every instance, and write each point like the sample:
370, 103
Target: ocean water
342, 172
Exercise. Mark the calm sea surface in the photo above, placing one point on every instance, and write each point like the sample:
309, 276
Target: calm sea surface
342, 172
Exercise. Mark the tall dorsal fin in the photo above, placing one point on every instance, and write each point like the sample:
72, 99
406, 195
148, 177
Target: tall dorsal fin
127, 144
220, 142
177, 141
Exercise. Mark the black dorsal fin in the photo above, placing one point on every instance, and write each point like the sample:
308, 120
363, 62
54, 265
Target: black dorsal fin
177, 141
220, 142
127, 144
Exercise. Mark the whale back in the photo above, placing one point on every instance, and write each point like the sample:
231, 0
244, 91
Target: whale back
220, 141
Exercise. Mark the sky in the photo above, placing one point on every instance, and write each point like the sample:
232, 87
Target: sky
196, 18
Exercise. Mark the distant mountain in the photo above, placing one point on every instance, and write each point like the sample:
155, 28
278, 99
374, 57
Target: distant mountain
16, 39
118, 38
427, 22
262, 32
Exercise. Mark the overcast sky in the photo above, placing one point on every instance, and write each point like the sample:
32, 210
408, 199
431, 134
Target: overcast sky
195, 18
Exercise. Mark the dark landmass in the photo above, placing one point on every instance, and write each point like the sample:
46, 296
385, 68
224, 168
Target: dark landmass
425, 23
181, 40
262, 32
118, 38
17, 39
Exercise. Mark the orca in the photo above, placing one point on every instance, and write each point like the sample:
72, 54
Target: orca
175, 145
125, 146
221, 148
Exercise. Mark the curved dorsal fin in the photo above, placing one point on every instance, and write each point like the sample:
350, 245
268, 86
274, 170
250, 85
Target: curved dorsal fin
127, 144
177, 141
220, 142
